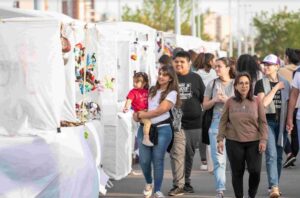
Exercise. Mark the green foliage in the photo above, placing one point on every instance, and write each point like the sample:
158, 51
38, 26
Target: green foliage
159, 14
277, 31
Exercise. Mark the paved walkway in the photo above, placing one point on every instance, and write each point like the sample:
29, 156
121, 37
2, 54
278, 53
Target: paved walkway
203, 183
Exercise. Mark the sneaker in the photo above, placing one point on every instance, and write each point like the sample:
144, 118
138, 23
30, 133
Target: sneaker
147, 142
147, 191
176, 191
203, 167
289, 161
220, 195
188, 188
274, 192
159, 194
135, 173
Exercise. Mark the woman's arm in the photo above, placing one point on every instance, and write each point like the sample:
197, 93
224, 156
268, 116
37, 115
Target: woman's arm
208, 103
262, 122
163, 107
223, 121
267, 99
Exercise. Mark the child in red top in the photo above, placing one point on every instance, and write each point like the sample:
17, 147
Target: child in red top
137, 98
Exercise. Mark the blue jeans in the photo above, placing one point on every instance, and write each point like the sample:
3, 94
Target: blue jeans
219, 160
154, 155
273, 154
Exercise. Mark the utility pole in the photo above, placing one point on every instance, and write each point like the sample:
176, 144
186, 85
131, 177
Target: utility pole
230, 30
38, 4
193, 28
177, 18
239, 29
119, 11
246, 28
199, 17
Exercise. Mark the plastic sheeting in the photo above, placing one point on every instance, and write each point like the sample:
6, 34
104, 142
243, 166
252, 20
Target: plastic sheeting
31, 75
52, 165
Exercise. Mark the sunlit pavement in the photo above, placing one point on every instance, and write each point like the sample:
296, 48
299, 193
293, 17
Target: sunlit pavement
203, 183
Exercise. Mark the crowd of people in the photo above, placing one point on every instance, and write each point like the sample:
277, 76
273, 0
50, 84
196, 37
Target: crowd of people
254, 110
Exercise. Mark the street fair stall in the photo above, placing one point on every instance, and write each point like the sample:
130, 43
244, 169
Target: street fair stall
38, 93
171, 41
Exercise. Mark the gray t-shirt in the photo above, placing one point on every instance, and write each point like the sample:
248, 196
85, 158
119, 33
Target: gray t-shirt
227, 89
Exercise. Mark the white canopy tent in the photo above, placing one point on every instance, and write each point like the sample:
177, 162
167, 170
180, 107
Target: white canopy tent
190, 43
33, 80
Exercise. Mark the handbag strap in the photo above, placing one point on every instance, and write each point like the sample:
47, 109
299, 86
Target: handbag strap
212, 89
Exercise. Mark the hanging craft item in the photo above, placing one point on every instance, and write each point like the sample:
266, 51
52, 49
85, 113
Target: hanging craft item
109, 82
66, 46
88, 111
133, 57
91, 83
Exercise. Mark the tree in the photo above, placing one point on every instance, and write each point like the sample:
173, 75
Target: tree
277, 31
159, 14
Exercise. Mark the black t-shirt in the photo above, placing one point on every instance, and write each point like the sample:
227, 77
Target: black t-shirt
191, 89
259, 88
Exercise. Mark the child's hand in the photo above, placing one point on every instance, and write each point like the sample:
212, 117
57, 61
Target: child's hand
125, 110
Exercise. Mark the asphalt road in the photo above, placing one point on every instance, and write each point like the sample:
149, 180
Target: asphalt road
203, 183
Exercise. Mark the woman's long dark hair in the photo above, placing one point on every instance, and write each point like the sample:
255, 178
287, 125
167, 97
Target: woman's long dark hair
172, 86
238, 96
247, 63
293, 55
203, 61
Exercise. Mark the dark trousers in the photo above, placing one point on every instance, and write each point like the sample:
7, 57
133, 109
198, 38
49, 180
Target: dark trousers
292, 146
238, 153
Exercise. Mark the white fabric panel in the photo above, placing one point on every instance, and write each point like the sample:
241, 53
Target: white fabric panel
117, 148
69, 111
125, 73
96, 141
31, 75
107, 66
55, 165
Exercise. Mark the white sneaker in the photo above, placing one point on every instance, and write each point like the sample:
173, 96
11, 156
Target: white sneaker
147, 191
159, 194
203, 167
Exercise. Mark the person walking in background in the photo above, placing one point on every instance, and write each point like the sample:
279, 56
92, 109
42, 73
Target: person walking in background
244, 125
247, 63
291, 148
292, 103
162, 97
216, 94
204, 66
274, 91
191, 89
164, 60
193, 56
137, 98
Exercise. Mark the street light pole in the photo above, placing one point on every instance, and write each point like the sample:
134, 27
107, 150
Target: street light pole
239, 29
199, 3
177, 18
230, 30
193, 28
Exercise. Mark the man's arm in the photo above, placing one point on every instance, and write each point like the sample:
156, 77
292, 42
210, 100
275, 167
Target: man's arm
291, 108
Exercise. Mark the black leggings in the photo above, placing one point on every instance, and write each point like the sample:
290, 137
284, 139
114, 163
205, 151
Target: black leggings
238, 153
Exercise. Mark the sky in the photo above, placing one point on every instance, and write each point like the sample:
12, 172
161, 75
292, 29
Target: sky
243, 10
